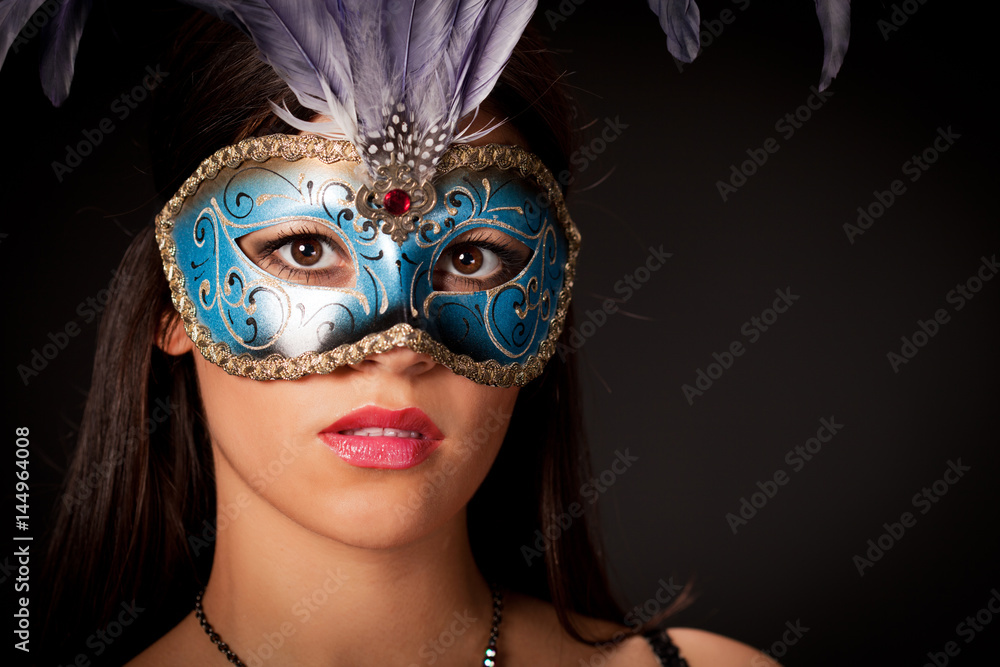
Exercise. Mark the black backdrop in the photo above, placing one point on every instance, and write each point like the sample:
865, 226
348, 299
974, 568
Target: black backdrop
661, 139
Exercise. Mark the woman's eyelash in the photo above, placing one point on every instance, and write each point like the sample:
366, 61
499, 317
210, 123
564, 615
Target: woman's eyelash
269, 259
505, 250
511, 260
286, 236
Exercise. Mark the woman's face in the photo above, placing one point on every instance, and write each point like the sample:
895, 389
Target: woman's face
283, 440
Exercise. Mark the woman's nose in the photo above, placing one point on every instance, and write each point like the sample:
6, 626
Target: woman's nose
397, 361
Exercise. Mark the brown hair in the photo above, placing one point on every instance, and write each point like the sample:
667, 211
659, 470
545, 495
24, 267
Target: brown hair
146, 535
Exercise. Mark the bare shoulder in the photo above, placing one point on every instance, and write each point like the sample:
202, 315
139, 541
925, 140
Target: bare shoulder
174, 648
699, 647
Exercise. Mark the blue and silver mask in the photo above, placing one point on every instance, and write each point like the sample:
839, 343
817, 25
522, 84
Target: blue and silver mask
285, 257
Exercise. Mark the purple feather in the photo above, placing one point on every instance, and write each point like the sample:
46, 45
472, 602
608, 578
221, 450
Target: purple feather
303, 43
392, 76
421, 41
458, 54
681, 21
14, 15
835, 20
63, 40
488, 53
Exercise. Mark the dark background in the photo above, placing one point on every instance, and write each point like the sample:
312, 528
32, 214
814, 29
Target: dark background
655, 184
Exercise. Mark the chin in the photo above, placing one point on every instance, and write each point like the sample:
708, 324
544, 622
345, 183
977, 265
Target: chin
380, 519
375, 508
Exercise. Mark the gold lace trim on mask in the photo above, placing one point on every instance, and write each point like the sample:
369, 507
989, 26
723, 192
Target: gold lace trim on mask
278, 367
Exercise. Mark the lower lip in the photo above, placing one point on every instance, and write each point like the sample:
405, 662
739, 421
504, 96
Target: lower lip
380, 451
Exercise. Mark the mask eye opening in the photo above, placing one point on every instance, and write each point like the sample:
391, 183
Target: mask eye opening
301, 251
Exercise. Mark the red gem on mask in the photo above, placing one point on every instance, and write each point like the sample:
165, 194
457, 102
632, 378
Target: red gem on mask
396, 202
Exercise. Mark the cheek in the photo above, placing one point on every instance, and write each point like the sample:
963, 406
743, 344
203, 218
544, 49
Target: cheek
244, 416
444, 484
264, 439
482, 415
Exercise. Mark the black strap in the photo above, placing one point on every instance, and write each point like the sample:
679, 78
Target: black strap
665, 649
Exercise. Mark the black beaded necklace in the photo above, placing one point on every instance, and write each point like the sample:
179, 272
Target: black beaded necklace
489, 656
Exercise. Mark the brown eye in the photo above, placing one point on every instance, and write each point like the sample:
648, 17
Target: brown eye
300, 251
467, 259
479, 260
307, 251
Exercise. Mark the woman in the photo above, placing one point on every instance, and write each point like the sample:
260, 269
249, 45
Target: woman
370, 552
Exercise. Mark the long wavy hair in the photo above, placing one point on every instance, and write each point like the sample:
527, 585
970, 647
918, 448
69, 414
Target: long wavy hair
144, 537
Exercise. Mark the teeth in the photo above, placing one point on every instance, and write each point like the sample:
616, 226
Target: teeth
370, 431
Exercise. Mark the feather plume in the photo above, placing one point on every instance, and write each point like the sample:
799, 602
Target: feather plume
681, 21
392, 76
14, 15
443, 58
303, 43
63, 40
835, 20
395, 76
488, 51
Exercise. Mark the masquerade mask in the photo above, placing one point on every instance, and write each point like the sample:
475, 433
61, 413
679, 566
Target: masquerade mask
285, 258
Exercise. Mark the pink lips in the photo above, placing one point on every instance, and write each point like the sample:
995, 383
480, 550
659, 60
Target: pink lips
392, 452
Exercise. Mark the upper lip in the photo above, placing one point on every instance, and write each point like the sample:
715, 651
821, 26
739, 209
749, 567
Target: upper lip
407, 419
